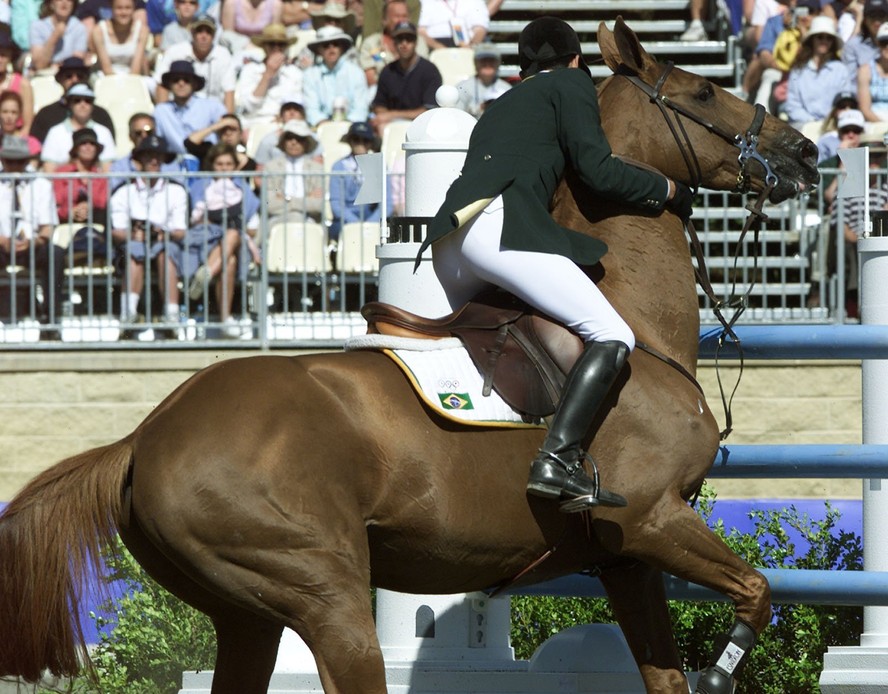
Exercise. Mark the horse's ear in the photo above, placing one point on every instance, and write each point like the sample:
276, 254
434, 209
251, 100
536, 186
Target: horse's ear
622, 47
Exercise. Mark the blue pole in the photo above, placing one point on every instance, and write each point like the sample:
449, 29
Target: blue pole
835, 461
788, 586
799, 342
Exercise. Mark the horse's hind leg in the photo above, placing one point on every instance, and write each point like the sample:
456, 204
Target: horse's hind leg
247, 648
638, 600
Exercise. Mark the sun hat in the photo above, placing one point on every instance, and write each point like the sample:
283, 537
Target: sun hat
182, 68
875, 8
273, 33
330, 34
823, 25
852, 118
153, 143
333, 10
14, 148
80, 90
300, 129
85, 135
363, 132
72, 64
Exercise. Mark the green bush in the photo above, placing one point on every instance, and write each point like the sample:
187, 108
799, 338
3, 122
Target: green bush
155, 637
789, 655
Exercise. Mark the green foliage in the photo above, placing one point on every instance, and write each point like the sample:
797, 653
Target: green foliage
789, 655
155, 636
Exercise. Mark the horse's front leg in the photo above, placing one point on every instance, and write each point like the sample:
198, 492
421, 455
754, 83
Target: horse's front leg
638, 600
671, 537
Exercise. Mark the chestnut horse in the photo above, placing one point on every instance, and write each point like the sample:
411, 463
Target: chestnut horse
326, 474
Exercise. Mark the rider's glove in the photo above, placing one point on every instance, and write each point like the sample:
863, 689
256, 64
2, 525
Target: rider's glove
682, 202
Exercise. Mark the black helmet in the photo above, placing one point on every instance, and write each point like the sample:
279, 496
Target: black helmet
547, 39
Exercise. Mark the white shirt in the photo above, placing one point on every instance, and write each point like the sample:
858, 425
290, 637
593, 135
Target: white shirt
473, 94
294, 186
163, 205
285, 86
36, 208
60, 139
436, 17
214, 68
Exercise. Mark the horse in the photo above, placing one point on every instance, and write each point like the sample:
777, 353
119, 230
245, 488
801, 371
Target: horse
327, 474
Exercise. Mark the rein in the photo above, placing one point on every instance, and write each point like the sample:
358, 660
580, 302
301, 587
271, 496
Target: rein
747, 143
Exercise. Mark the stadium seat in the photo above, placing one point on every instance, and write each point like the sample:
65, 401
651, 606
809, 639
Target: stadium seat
454, 64
256, 132
329, 135
357, 248
122, 96
46, 90
297, 247
393, 136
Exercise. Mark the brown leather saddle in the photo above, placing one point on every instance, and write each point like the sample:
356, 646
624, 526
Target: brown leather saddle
521, 354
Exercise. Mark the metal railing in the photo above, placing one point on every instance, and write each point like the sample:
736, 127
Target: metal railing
303, 286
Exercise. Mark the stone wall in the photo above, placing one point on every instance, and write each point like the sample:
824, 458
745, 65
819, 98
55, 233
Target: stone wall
57, 404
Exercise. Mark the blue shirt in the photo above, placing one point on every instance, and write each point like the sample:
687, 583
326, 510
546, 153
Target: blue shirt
175, 123
811, 92
344, 189
23, 13
162, 12
321, 85
856, 52
770, 31
72, 41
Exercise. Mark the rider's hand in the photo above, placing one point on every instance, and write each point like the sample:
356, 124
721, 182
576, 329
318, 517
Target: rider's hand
681, 202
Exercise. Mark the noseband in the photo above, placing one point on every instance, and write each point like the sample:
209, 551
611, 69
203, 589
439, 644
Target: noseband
746, 142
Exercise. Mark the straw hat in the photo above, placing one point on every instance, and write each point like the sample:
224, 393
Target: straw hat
333, 10
273, 33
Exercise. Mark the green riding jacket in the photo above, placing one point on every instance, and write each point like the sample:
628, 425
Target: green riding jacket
520, 148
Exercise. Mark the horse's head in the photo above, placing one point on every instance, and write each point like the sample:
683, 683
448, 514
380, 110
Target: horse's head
695, 131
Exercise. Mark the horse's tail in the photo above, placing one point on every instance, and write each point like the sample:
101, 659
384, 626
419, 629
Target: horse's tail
51, 537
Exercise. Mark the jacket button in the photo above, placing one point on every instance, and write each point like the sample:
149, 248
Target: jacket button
487, 157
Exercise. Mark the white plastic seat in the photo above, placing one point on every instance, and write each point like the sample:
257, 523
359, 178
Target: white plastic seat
454, 64
295, 247
393, 136
46, 91
329, 135
257, 132
122, 96
357, 247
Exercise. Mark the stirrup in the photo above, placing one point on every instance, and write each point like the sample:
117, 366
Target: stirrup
601, 497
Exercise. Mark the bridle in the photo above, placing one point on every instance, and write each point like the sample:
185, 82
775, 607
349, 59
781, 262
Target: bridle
747, 142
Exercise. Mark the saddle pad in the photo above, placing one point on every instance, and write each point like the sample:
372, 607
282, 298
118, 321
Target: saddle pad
445, 378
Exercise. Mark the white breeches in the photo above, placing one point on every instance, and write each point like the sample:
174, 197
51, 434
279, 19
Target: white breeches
471, 259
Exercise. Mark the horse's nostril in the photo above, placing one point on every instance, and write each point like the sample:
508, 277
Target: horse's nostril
809, 150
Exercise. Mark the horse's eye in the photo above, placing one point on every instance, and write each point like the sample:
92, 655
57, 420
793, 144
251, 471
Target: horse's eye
706, 93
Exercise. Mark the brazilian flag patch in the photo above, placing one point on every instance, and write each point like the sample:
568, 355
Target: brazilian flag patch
456, 401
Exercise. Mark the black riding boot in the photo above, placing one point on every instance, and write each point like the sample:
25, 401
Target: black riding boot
557, 471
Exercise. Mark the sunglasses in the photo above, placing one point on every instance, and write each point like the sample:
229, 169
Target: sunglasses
327, 44
180, 78
276, 44
408, 38
79, 100
187, 2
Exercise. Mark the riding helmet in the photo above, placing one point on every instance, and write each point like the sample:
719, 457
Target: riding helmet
546, 39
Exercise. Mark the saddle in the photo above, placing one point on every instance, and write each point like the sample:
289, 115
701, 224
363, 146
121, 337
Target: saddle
520, 353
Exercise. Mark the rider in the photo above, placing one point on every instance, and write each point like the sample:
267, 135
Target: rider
494, 228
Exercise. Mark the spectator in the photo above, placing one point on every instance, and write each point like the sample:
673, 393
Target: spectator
229, 132
91, 12
210, 60
861, 49
263, 87
448, 23
141, 125
696, 31
11, 118
268, 145
486, 85
248, 19
60, 138
407, 85
27, 225
335, 88
149, 218
83, 202
345, 183
180, 30
762, 11
374, 13
72, 71
185, 113
377, 50
163, 12
872, 81
120, 42
224, 222
13, 80
333, 14
817, 74
848, 15
295, 184
295, 15
828, 142
493, 6
23, 15
57, 35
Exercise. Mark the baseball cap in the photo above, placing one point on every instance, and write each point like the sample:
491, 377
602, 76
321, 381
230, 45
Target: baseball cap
203, 20
875, 7
852, 118
404, 29
845, 98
